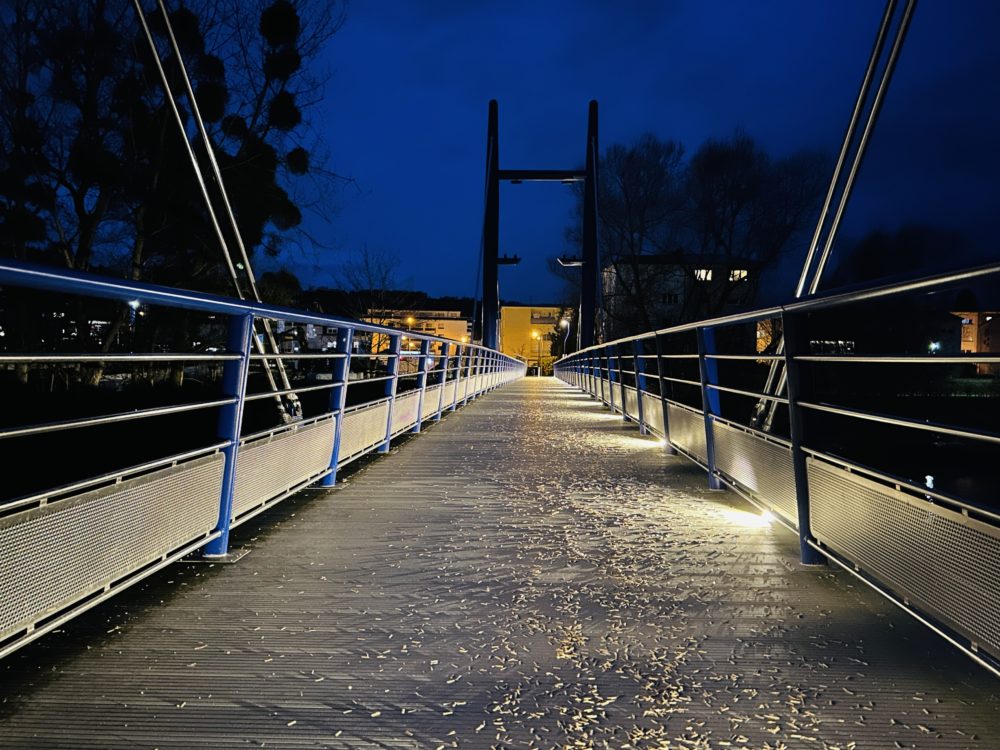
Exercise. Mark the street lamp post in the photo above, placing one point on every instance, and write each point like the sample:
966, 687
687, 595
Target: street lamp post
538, 339
564, 323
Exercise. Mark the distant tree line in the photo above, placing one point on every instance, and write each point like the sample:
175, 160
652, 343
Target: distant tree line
730, 203
94, 174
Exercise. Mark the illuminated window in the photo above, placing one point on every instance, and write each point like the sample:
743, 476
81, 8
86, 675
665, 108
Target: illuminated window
738, 274
703, 274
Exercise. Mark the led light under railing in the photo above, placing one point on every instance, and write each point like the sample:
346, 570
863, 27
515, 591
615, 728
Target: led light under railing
747, 519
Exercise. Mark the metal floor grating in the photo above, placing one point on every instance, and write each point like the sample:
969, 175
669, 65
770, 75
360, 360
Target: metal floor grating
526, 573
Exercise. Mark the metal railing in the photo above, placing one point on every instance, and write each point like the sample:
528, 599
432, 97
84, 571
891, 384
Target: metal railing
932, 550
65, 548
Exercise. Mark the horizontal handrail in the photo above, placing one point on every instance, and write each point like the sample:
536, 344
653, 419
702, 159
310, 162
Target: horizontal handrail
115, 357
820, 302
125, 416
926, 426
68, 281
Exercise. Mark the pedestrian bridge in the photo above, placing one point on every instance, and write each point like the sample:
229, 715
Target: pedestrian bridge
532, 570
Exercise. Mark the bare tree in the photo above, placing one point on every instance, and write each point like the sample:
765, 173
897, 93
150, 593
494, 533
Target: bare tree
665, 220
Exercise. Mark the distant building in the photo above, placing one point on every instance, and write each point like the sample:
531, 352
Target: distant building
674, 288
448, 324
526, 332
981, 335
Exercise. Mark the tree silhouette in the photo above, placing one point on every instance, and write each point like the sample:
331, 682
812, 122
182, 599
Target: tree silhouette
94, 173
664, 217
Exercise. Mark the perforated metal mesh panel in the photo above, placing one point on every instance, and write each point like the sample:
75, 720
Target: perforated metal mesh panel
55, 555
652, 413
941, 560
431, 397
404, 411
449, 394
761, 467
631, 403
270, 466
687, 431
363, 429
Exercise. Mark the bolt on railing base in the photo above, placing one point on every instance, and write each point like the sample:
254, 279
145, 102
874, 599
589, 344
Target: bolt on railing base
233, 556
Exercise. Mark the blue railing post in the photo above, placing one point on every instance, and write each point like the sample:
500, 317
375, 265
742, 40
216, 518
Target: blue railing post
617, 349
392, 367
425, 357
611, 378
470, 363
793, 346
234, 385
639, 366
661, 373
442, 377
470, 391
338, 396
458, 375
708, 369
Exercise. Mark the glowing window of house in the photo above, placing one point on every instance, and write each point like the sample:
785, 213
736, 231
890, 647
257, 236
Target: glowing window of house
703, 274
738, 274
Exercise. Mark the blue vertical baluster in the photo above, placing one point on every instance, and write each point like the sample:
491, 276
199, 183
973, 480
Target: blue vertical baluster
639, 365
611, 378
793, 346
338, 396
467, 374
708, 369
234, 385
425, 359
442, 377
392, 367
459, 349
617, 349
470, 391
661, 372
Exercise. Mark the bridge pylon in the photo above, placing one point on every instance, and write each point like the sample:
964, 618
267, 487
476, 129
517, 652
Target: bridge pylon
490, 316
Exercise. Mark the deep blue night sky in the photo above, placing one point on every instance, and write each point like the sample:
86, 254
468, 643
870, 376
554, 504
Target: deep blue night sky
404, 114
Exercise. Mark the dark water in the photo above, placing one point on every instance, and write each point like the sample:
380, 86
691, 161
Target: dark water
40, 462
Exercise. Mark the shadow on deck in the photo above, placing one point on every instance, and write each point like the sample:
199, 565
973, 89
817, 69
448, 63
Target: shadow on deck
527, 573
